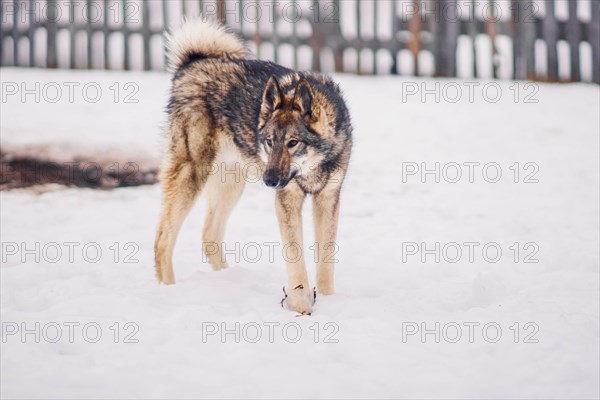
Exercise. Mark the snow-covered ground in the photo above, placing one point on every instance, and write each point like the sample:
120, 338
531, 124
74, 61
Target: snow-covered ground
528, 318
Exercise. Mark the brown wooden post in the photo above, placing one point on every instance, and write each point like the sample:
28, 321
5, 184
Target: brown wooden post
414, 45
221, 11
338, 50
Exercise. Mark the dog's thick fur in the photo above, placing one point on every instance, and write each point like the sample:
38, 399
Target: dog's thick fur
227, 110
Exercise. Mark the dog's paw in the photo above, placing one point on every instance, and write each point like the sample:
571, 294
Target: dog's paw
299, 299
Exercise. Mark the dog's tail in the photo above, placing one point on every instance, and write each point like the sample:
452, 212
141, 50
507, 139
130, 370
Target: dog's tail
203, 38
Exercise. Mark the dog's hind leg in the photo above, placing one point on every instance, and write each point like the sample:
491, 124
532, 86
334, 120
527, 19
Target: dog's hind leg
223, 190
179, 193
182, 176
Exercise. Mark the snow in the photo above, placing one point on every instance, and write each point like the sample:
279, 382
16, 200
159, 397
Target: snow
364, 347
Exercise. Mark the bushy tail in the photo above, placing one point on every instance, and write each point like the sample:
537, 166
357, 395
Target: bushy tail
200, 36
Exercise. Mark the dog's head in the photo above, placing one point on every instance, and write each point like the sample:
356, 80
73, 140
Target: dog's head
291, 130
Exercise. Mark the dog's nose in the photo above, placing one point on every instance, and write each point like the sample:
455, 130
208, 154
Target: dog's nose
271, 177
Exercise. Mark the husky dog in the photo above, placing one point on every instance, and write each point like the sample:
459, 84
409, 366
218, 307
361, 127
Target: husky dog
228, 109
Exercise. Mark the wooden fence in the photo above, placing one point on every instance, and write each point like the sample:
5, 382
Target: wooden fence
510, 39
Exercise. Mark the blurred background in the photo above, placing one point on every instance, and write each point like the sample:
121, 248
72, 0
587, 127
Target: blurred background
548, 40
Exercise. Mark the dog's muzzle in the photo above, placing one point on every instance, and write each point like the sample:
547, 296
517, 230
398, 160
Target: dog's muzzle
272, 178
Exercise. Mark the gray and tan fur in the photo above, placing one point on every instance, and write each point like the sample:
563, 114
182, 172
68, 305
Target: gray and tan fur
229, 109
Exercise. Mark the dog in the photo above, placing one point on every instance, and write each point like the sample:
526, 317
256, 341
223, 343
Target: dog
227, 108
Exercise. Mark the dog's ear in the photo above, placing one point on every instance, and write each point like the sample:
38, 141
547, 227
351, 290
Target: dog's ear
304, 97
311, 111
272, 99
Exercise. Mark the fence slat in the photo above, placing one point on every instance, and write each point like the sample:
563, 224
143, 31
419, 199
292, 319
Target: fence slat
490, 27
89, 17
594, 35
574, 37
72, 30
51, 26
16, 33
146, 34
30, 35
550, 35
294, 39
473, 34
449, 42
358, 37
395, 49
105, 35
375, 37
165, 22
125, 30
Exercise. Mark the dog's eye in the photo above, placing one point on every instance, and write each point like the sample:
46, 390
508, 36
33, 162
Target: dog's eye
269, 142
292, 143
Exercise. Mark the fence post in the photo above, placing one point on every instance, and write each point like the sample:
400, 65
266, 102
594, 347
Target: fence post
15, 33
105, 23
550, 35
449, 29
414, 45
72, 60
574, 38
523, 39
125, 37
52, 21
473, 35
594, 35
146, 34
88, 29
31, 35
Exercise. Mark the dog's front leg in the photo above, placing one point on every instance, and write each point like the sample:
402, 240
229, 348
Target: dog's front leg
288, 205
